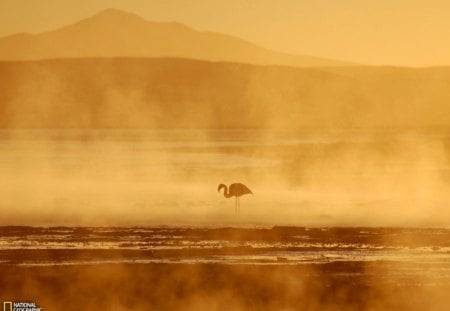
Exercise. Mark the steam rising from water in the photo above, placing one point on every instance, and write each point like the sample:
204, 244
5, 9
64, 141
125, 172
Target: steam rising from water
145, 177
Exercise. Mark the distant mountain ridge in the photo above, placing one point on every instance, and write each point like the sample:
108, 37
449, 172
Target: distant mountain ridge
115, 33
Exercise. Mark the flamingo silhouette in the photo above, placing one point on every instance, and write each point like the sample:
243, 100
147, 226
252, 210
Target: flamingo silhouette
235, 190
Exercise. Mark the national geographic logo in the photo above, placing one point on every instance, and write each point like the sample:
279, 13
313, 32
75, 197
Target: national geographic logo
20, 306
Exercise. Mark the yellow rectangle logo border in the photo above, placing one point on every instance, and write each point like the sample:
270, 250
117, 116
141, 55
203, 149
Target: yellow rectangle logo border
7, 303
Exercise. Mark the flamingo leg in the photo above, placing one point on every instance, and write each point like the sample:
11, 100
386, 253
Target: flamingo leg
239, 205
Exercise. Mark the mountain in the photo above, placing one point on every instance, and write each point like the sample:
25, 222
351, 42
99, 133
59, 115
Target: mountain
184, 93
114, 33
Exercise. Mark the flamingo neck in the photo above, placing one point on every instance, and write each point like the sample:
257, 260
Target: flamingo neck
226, 192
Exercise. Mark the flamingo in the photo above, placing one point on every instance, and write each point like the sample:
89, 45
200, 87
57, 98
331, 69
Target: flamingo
235, 190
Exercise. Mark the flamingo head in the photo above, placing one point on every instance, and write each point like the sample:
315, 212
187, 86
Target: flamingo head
220, 187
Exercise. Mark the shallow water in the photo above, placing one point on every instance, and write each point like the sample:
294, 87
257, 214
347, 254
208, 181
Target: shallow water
333, 268
278, 245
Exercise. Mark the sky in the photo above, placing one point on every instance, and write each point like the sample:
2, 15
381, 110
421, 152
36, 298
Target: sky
376, 32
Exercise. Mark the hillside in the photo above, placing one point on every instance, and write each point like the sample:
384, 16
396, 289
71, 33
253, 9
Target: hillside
109, 93
114, 33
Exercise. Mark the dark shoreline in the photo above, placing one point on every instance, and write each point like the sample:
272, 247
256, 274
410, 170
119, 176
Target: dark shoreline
295, 245
177, 268
414, 236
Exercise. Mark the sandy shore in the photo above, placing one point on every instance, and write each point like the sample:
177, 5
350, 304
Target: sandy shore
333, 286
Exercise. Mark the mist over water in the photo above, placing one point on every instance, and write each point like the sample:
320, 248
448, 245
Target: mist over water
170, 177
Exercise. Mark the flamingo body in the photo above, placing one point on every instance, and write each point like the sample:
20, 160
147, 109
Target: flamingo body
235, 190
